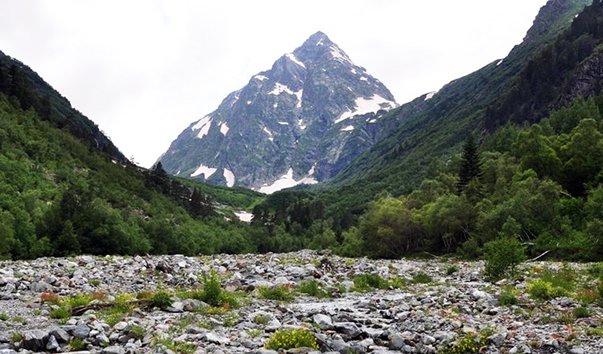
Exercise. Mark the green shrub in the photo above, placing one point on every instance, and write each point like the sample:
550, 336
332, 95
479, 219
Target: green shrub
214, 294
565, 278
312, 288
471, 343
422, 278
77, 344
502, 257
451, 270
543, 290
582, 312
508, 297
367, 282
161, 299
280, 293
261, 319
60, 312
292, 338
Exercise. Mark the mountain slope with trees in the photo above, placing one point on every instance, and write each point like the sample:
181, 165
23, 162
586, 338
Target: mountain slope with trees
425, 129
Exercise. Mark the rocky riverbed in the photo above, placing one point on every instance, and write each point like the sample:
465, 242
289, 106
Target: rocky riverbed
408, 306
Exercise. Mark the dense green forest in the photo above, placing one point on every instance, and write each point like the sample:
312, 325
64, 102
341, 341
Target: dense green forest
59, 196
541, 185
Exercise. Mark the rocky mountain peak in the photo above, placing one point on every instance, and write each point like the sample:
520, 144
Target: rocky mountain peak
299, 122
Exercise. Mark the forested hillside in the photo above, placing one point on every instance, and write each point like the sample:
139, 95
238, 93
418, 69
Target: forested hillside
60, 196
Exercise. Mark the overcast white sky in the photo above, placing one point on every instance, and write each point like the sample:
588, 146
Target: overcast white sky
144, 70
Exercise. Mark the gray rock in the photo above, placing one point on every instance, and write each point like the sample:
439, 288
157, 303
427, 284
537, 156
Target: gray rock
576, 350
114, 350
176, 307
81, 331
60, 335
349, 329
216, 338
52, 344
396, 341
34, 340
323, 321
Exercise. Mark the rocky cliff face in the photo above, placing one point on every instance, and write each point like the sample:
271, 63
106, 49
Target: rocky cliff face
301, 121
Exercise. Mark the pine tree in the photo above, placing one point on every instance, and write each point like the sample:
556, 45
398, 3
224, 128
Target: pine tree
470, 165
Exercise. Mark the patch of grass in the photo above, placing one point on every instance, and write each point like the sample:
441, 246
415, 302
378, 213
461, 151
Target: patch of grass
468, 344
77, 344
254, 333
565, 278
95, 282
312, 288
508, 296
292, 338
595, 270
582, 312
137, 332
398, 282
367, 282
543, 290
421, 278
60, 312
279, 293
16, 337
161, 299
452, 269
261, 319
3, 317
587, 296
214, 294
231, 319
175, 346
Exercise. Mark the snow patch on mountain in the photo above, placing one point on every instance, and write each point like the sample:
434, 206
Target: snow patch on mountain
294, 59
280, 88
244, 216
338, 55
260, 77
349, 128
270, 136
430, 95
283, 123
286, 181
366, 105
203, 126
204, 170
230, 177
224, 128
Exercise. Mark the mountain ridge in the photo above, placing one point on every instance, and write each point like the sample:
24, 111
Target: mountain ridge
292, 123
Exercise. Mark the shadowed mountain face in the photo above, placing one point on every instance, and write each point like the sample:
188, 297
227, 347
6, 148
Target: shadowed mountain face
302, 121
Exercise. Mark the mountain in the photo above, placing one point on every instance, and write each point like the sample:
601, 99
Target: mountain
29, 90
302, 121
429, 130
66, 189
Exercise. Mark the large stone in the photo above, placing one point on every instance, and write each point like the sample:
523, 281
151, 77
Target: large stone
349, 329
115, 349
34, 340
323, 321
216, 338
81, 331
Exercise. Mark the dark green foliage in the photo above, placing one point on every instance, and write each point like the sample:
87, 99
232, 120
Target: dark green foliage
470, 169
422, 278
161, 299
502, 257
279, 293
367, 282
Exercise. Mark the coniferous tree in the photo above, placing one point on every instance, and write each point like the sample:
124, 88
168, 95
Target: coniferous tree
470, 165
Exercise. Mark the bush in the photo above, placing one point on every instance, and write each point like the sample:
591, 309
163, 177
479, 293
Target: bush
367, 282
422, 278
292, 338
312, 288
451, 270
280, 293
543, 290
582, 312
161, 299
508, 297
502, 257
